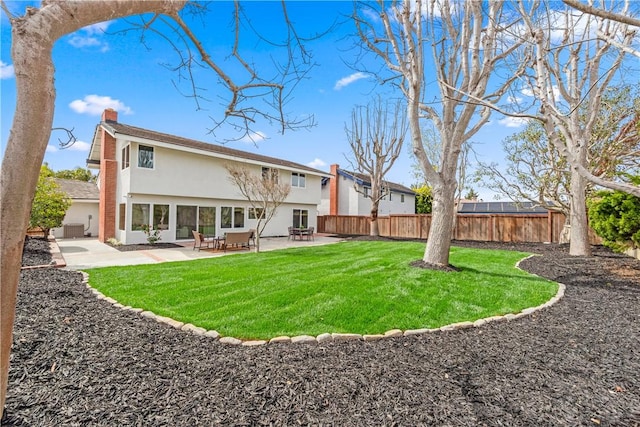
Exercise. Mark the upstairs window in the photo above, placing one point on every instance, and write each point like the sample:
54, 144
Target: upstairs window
145, 157
270, 174
298, 180
124, 161
402, 198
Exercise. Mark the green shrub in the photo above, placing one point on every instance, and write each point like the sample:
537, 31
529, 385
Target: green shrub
615, 216
50, 204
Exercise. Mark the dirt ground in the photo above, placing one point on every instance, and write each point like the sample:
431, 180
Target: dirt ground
78, 361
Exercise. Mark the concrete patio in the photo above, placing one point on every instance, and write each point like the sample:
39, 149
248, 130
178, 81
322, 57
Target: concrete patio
81, 253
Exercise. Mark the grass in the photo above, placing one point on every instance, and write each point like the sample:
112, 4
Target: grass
355, 287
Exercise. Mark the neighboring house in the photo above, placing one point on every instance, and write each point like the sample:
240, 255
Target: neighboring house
487, 208
178, 185
81, 218
340, 197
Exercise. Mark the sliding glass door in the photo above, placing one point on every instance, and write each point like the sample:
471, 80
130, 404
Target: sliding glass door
186, 217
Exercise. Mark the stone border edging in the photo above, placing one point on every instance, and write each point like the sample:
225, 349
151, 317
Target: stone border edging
57, 260
301, 339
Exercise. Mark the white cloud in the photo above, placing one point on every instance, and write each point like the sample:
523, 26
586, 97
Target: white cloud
90, 36
515, 99
94, 105
513, 122
346, 81
254, 137
529, 92
6, 70
98, 28
317, 163
79, 146
51, 148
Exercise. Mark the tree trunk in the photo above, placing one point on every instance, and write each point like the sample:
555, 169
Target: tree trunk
20, 169
440, 232
374, 229
579, 232
32, 39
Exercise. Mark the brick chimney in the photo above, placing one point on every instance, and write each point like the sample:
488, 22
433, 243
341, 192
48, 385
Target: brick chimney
333, 190
108, 180
110, 115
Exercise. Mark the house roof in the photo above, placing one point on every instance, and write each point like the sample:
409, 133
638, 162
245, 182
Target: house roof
133, 131
363, 179
501, 208
79, 190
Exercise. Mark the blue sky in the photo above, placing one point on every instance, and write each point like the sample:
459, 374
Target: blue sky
99, 67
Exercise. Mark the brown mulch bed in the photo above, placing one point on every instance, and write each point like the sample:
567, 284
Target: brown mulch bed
79, 361
36, 252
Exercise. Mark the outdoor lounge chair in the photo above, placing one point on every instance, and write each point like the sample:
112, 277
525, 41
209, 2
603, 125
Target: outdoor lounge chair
237, 240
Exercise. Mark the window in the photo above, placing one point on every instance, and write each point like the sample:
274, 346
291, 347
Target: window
125, 157
270, 173
238, 217
300, 218
145, 157
390, 194
402, 198
186, 221
139, 216
160, 217
255, 213
366, 191
231, 217
225, 217
298, 180
122, 217
207, 220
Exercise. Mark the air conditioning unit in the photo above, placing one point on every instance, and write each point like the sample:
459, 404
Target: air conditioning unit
73, 230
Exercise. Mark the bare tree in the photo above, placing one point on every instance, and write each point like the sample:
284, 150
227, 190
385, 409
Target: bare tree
536, 171
32, 40
264, 193
468, 43
605, 14
375, 137
570, 74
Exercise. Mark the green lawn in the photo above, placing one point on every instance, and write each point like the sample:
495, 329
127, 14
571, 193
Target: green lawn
356, 287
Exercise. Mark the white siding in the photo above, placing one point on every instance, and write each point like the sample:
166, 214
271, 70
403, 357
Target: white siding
78, 213
198, 179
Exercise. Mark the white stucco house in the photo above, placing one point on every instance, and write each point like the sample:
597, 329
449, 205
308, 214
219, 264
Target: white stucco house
177, 185
344, 193
81, 218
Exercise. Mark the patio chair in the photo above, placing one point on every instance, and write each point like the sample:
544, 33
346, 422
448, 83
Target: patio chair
309, 233
291, 233
200, 241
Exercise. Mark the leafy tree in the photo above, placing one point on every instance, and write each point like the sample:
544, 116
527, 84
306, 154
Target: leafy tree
615, 216
471, 194
50, 204
79, 174
424, 199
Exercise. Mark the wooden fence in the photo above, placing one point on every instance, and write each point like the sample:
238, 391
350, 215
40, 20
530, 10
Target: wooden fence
488, 227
